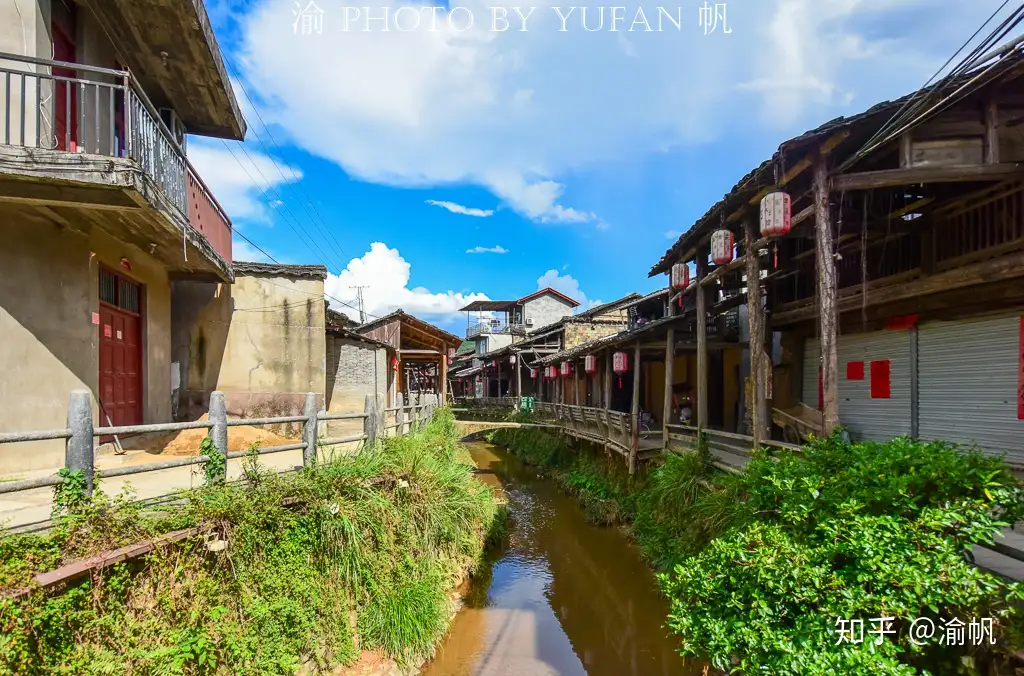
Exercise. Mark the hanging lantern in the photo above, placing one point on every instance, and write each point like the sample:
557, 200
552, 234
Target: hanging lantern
620, 364
451, 354
590, 363
394, 364
776, 208
680, 278
566, 369
722, 243
533, 374
552, 372
494, 363
512, 360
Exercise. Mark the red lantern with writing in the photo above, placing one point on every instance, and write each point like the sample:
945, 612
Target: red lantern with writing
590, 363
776, 214
566, 369
680, 278
722, 243
620, 364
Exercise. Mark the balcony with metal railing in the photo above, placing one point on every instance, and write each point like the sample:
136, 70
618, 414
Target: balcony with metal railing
487, 327
84, 138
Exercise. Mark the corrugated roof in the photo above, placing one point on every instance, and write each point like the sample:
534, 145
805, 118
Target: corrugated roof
489, 305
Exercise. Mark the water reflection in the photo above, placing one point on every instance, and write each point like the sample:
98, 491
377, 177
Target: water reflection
563, 597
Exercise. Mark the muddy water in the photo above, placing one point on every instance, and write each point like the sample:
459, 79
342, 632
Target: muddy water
563, 597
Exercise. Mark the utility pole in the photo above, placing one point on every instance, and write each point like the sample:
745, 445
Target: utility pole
359, 300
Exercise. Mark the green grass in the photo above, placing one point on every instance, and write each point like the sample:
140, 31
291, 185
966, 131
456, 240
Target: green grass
366, 556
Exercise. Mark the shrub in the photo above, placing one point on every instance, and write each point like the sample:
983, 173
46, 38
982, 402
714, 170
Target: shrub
847, 531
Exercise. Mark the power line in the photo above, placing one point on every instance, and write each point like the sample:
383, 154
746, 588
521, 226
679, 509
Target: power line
338, 249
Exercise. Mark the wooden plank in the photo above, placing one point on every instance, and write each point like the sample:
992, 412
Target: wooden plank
670, 360
826, 279
992, 132
635, 409
889, 178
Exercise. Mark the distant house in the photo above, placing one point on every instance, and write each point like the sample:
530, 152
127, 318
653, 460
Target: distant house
422, 353
516, 318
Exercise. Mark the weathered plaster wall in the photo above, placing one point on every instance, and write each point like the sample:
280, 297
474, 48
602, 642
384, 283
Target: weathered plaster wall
577, 333
544, 310
355, 369
260, 341
25, 30
48, 291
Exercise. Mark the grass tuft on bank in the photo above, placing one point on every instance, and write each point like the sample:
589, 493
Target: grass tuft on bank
359, 553
760, 566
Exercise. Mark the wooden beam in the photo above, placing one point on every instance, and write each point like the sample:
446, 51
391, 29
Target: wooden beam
755, 324
607, 380
826, 279
414, 353
702, 342
904, 287
444, 379
890, 178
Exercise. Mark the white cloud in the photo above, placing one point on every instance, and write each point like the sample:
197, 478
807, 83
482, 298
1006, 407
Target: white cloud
386, 275
673, 234
483, 249
566, 284
520, 112
239, 179
459, 209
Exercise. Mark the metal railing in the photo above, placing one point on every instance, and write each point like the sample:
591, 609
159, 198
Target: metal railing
487, 327
80, 436
59, 105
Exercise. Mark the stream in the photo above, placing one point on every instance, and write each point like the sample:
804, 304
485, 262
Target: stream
561, 597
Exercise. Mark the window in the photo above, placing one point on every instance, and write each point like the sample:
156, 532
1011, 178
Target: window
120, 292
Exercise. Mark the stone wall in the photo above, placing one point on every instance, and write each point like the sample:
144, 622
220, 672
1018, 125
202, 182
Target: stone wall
577, 333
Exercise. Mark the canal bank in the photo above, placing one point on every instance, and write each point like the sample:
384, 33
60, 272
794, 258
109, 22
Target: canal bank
562, 596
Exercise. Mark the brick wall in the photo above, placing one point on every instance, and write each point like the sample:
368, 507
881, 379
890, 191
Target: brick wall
584, 332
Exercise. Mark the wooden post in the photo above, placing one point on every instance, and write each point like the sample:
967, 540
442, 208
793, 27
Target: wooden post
702, 341
400, 415
444, 377
607, 380
576, 384
755, 321
635, 448
826, 264
670, 377
519, 379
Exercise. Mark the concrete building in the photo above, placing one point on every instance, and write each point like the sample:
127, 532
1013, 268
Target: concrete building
100, 208
261, 341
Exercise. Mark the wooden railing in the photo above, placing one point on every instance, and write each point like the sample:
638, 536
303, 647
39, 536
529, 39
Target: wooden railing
618, 431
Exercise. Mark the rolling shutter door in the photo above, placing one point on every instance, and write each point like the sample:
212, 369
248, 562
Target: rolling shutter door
969, 378
863, 407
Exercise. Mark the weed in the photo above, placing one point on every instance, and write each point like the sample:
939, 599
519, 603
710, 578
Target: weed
371, 544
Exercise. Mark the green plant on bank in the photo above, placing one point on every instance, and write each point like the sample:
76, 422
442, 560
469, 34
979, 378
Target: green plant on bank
215, 469
761, 564
361, 551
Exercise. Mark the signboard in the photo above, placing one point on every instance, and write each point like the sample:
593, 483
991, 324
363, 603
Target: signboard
479, 390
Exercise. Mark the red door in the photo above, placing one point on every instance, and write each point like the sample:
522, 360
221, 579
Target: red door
120, 349
65, 106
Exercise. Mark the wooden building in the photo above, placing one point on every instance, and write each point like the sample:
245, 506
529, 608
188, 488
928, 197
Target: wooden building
897, 294
423, 352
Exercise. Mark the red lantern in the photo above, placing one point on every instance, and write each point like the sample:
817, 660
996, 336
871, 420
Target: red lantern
776, 214
722, 243
620, 364
552, 372
394, 364
533, 374
566, 369
680, 278
590, 363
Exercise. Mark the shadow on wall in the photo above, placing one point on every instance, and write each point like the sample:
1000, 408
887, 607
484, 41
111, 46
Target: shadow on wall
198, 347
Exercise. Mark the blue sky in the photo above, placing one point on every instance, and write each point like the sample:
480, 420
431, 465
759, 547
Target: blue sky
576, 154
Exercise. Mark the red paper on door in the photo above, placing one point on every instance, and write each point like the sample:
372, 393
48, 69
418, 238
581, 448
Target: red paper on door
106, 331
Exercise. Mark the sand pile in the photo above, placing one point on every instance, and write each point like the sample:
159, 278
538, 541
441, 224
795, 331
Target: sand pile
187, 442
